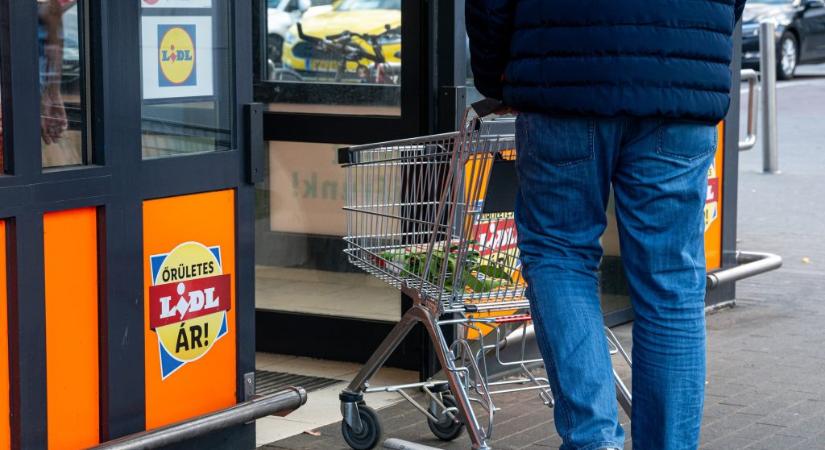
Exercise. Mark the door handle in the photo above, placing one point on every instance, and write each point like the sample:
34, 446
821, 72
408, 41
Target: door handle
254, 130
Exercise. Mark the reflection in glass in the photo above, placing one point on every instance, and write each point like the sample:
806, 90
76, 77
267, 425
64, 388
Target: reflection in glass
335, 55
187, 88
300, 265
61, 82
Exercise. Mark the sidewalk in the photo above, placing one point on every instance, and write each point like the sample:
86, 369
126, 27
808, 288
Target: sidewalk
766, 356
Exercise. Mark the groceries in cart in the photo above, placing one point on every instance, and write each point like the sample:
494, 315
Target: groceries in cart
477, 275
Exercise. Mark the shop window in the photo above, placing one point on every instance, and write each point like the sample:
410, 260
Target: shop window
332, 56
186, 72
300, 264
61, 59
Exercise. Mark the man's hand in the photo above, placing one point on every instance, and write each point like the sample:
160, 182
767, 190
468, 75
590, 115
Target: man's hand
505, 110
53, 120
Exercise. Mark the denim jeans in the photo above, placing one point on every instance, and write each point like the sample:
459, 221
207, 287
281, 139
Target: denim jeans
658, 172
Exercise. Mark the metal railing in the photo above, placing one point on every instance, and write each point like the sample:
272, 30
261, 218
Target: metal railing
752, 78
748, 264
279, 403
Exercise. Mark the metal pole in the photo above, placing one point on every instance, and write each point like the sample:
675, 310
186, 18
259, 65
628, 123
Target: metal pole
280, 402
767, 66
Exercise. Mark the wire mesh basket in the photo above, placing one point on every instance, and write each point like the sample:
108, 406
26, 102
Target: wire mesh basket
422, 214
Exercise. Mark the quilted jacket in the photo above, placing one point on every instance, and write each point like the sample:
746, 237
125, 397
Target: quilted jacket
605, 58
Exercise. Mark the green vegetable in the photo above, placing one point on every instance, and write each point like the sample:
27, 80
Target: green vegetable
474, 276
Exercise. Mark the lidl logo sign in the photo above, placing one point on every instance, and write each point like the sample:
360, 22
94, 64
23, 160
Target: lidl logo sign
188, 301
176, 54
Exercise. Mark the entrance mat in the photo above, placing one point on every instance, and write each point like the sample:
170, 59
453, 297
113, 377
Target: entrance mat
267, 382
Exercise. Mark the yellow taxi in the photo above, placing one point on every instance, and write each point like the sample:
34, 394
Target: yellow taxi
371, 17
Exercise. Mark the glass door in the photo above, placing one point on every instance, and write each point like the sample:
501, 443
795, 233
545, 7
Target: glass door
331, 74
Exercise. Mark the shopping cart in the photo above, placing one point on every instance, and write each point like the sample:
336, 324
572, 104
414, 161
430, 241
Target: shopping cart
432, 216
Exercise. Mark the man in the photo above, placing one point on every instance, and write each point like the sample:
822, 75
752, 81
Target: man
621, 93
58, 147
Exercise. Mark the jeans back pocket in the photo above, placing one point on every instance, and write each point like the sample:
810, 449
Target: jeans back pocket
561, 141
686, 140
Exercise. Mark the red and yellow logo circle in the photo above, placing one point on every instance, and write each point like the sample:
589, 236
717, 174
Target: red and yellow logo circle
177, 54
188, 301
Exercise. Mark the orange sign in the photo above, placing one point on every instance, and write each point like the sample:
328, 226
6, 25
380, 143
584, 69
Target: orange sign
72, 340
713, 206
189, 305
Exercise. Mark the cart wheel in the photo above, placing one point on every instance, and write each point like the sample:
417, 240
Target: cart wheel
369, 434
446, 428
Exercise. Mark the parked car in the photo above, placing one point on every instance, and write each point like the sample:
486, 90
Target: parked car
363, 17
800, 33
280, 16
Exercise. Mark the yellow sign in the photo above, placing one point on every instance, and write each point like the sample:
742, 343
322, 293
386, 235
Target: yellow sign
188, 303
176, 55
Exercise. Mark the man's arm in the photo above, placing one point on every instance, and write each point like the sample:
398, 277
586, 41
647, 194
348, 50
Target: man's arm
489, 26
738, 8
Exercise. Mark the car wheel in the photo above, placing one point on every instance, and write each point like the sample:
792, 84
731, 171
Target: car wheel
275, 45
787, 57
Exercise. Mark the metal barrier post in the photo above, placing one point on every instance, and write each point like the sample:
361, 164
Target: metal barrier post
767, 67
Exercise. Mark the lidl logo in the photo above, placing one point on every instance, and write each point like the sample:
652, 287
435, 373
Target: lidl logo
177, 56
188, 301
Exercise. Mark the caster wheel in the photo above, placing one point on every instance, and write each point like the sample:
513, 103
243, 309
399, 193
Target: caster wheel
367, 438
446, 428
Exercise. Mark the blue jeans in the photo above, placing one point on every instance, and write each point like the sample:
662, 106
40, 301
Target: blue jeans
658, 171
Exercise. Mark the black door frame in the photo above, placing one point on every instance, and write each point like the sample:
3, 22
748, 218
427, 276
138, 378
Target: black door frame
116, 182
285, 332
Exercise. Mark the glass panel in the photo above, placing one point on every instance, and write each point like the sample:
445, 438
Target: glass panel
300, 265
62, 82
472, 94
340, 57
186, 71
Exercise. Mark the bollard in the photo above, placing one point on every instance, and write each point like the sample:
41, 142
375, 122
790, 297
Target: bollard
767, 67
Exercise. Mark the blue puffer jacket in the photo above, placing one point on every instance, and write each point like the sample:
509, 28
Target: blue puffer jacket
644, 58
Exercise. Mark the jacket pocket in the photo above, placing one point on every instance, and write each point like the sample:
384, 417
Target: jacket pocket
561, 141
686, 140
